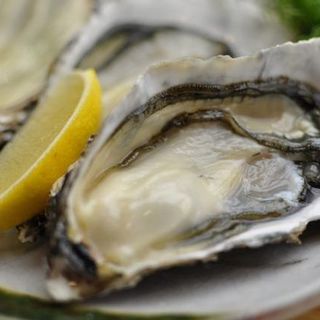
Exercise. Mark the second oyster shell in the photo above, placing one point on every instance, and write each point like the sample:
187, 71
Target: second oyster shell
125, 37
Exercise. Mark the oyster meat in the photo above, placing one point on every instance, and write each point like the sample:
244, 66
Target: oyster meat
201, 157
33, 32
125, 37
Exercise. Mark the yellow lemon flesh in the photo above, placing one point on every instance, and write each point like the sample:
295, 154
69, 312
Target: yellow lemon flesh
51, 140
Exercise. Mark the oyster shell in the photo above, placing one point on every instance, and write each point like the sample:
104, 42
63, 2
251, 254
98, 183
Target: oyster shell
125, 37
180, 173
33, 32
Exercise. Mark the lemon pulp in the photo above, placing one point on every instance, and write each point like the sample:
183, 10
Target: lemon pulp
51, 140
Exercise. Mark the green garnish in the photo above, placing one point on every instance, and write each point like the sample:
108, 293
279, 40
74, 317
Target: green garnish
303, 16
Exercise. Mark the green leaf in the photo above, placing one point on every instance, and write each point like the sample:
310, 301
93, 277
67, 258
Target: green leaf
303, 16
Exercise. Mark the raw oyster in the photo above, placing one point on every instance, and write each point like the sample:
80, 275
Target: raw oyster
180, 171
33, 32
126, 36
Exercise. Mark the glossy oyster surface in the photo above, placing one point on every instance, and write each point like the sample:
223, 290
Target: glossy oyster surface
125, 37
201, 157
33, 33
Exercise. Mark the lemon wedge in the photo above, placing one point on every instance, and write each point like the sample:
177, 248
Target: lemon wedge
43, 149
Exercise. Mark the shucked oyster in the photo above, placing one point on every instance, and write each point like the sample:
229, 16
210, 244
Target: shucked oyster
189, 165
127, 36
124, 37
33, 32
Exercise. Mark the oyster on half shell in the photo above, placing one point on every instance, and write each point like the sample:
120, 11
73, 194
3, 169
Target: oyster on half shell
125, 37
202, 156
33, 32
